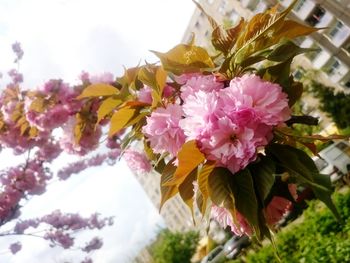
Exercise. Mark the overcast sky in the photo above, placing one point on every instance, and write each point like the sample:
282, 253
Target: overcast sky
61, 38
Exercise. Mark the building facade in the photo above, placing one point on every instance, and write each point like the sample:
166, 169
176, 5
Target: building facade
176, 214
333, 42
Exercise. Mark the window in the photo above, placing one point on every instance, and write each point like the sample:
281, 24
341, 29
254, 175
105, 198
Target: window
347, 84
335, 29
299, 5
222, 8
311, 55
297, 74
315, 16
333, 66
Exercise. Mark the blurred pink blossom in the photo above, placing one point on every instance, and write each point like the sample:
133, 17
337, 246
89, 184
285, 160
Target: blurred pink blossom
137, 161
163, 130
15, 247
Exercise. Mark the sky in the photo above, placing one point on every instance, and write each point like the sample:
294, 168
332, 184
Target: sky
61, 38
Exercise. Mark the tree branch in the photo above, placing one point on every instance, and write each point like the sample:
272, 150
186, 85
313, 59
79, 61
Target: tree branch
303, 119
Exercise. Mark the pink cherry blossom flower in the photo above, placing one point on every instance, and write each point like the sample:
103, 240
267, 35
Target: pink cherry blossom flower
95, 243
106, 77
49, 151
15, 76
17, 49
87, 260
266, 98
182, 79
168, 91
58, 236
224, 218
145, 95
230, 124
276, 209
163, 130
137, 161
200, 82
278, 206
15, 247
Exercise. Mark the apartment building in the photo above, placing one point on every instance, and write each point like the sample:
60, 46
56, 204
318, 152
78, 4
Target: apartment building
176, 214
333, 42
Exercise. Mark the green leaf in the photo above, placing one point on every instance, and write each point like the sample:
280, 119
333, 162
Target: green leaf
325, 195
286, 50
189, 158
263, 176
219, 188
245, 197
279, 73
106, 107
98, 90
167, 192
295, 91
203, 177
120, 119
294, 160
301, 166
185, 59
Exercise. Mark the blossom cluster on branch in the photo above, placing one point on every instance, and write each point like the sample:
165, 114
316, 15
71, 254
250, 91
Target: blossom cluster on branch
39, 124
216, 127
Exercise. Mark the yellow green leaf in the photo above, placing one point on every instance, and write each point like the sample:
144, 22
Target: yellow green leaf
120, 119
98, 90
189, 158
161, 76
224, 39
203, 176
185, 58
37, 105
211, 20
22, 120
79, 127
265, 30
33, 132
106, 107
24, 127
167, 192
291, 29
154, 77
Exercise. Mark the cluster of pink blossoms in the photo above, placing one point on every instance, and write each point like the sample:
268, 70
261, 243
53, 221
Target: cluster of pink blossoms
137, 161
62, 104
16, 182
76, 167
229, 124
62, 228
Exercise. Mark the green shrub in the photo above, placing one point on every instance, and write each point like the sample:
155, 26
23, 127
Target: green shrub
319, 238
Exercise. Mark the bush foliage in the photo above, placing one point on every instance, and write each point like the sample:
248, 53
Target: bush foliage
319, 238
174, 247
